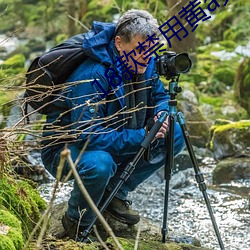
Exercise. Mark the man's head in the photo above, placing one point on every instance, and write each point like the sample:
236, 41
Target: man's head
135, 26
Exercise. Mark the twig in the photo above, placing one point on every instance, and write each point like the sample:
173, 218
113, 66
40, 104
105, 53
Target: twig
137, 236
77, 21
99, 238
66, 154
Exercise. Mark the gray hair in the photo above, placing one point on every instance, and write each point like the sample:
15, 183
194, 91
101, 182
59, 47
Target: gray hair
136, 22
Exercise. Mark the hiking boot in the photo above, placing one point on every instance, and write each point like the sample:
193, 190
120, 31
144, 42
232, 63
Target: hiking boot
121, 211
75, 231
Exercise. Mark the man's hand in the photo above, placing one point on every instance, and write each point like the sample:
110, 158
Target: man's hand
164, 128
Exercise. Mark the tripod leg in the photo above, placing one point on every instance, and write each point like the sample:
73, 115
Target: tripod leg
168, 173
199, 177
129, 168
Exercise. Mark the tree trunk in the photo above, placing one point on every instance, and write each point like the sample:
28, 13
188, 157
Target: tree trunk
187, 44
72, 13
83, 7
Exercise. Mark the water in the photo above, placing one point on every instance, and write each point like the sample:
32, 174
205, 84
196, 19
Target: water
188, 215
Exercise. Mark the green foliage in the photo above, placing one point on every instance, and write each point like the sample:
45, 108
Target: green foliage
16, 61
229, 23
13, 66
21, 199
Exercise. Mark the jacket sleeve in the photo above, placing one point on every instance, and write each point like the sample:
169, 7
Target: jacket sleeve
88, 118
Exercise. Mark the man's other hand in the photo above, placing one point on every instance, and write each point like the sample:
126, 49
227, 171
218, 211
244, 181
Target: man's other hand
164, 128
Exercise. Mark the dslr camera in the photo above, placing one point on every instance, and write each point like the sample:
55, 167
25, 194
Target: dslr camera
172, 65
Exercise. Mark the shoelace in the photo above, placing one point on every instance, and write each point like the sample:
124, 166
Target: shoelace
127, 203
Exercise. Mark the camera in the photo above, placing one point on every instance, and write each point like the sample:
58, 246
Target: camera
172, 65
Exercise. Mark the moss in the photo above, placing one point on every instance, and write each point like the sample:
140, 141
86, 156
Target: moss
128, 244
6, 243
16, 237
221, 133
13, 239
236, 125
212, 100
229, 45
13, 71
16, 61
224, 75
10, 220
22, 200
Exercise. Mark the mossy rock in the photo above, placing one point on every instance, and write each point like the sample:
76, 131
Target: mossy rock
221, 107
232, 139
22, 200
231, 169
197, 125
128, 244
10, 231
150, 235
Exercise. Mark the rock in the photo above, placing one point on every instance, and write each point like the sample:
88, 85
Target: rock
188, 95
149, 238
231, 169
181, 179
228, 110
232, 139
197, 125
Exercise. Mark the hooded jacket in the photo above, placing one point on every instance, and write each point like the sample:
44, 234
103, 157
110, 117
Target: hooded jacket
81, 115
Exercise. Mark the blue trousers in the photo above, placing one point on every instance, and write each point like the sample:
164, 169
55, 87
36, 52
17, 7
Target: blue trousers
100, 170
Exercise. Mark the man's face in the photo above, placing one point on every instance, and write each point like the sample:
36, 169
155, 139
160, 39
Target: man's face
128, 47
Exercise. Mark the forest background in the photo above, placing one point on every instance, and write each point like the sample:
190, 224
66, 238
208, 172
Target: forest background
218, 46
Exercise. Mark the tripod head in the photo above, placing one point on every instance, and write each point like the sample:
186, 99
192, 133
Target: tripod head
174, 89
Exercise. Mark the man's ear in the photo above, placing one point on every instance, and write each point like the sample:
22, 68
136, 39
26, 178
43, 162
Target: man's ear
118, 43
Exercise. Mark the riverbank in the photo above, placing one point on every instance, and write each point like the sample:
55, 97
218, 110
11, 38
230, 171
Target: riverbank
188, 215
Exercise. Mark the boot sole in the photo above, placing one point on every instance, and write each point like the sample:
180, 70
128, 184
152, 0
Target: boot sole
121, 219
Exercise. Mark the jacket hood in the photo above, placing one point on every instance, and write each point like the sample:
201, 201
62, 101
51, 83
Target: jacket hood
98, 43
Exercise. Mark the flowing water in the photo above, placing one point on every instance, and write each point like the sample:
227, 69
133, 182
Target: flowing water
187, 212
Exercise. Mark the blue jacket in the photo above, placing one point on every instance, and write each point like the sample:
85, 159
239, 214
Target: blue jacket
101, 121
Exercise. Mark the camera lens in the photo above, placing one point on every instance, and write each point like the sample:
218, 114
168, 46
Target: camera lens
182, 63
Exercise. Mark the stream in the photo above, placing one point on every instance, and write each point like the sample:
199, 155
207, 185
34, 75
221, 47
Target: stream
187, 212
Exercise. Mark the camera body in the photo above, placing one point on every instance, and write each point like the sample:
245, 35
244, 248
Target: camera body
172, 65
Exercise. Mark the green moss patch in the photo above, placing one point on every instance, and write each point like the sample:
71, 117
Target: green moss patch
230, 139
10, 231
128, 244
22, 200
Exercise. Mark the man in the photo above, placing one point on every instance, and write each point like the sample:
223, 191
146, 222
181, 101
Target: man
109, 116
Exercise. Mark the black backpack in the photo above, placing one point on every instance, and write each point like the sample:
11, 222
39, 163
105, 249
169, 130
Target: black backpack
48, 73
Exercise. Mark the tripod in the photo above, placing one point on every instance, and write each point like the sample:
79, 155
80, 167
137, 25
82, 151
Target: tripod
169, 163
173, 90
